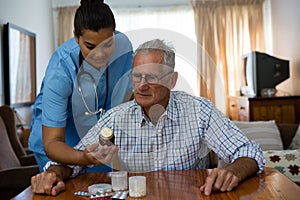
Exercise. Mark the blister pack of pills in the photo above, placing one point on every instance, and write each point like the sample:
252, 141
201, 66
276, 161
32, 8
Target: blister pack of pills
121, 195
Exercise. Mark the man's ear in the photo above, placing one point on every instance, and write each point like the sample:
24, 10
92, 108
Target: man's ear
173, 80
76, 37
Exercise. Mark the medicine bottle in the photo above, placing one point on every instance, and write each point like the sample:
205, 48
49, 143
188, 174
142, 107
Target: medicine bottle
106, 137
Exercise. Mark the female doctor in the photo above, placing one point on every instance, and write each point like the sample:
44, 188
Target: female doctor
85, 76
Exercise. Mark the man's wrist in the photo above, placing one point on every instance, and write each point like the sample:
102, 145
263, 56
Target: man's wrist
242, 170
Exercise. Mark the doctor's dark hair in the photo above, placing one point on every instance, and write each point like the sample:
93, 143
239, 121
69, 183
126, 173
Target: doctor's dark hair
93, 15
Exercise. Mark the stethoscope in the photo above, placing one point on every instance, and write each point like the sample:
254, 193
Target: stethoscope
83, 72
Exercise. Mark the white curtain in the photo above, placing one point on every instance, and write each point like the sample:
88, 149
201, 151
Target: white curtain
20, 70
23, 90
176, 18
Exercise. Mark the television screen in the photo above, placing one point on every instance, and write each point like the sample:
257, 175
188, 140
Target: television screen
263, 72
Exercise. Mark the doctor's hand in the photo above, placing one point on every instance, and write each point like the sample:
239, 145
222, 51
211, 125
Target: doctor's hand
50, 182
47, 183
97, 154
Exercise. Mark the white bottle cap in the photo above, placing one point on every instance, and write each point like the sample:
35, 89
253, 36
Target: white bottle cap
106, 133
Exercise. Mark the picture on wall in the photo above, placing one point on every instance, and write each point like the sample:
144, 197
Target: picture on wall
19, 66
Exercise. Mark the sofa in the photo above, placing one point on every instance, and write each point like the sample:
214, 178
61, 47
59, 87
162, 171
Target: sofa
287, 161
280, 143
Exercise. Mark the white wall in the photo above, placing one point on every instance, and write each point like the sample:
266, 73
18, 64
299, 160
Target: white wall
35, 16
286, 31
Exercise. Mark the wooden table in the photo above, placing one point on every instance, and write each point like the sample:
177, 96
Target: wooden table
173, 185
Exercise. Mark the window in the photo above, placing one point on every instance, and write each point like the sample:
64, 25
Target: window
173, 24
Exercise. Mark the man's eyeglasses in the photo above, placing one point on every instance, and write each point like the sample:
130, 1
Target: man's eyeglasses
149, 78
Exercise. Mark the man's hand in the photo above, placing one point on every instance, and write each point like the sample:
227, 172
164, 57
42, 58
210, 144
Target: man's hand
219, 179
228, 176
47, 183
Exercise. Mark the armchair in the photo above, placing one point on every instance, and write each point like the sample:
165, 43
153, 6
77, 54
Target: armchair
25, 156
15, 173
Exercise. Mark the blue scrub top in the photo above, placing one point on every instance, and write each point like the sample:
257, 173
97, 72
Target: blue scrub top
59, 103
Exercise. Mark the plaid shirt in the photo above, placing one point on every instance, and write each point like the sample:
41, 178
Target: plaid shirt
181, 139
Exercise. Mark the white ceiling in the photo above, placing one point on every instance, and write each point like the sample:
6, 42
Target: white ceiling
145, 3
126, 3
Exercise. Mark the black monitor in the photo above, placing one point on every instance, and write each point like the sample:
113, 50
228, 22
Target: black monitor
263, 71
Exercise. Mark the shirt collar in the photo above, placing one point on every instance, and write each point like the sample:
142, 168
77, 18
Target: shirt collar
171, 111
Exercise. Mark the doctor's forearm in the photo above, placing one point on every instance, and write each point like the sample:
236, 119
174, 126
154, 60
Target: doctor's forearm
56, 148
62, 153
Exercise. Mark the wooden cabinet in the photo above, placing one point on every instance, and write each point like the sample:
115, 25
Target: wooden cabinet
285, 109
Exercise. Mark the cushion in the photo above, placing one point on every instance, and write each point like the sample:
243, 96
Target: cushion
285, 161
265, 133
296, 140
